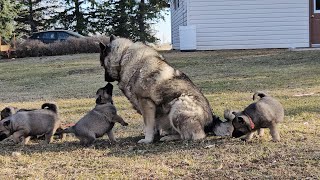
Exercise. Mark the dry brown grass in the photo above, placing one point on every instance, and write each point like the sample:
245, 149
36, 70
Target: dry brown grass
227, 78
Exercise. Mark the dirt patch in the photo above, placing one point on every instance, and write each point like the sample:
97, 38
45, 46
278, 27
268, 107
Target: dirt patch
83, 71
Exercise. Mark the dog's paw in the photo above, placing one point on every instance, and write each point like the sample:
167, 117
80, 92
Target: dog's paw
145, 141
124, 124
170, 138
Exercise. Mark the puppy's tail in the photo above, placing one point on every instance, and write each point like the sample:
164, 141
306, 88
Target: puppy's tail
260, 94
67, 130
50, 106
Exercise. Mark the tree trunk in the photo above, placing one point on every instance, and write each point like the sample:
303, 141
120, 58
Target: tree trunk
79, 17
141, 21
30, 18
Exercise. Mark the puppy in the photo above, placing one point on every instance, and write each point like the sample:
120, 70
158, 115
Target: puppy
24, 124
265, 113
8, 111
99, 121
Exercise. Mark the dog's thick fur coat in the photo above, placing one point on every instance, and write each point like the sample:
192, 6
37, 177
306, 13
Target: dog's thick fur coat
166, 97
267, 112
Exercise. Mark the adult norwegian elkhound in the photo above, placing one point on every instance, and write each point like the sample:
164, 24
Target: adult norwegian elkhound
167, 99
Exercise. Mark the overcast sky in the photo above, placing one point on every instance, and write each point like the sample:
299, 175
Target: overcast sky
163, 29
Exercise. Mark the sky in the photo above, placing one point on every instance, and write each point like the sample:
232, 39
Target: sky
163, 29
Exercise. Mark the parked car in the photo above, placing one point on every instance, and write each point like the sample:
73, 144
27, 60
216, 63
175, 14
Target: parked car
54, 35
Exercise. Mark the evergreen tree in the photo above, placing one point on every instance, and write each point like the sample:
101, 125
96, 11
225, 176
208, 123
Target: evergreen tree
7, 15
79, 16
35, 15
132, 19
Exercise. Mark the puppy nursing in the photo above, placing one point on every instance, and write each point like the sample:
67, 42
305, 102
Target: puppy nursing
99, 121
267, 112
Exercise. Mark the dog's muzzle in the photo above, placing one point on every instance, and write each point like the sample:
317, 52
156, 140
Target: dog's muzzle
107, 77
237, 134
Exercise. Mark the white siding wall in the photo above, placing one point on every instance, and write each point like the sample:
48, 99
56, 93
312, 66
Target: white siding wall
249, 24
178, 18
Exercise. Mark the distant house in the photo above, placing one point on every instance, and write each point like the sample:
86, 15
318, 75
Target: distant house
244, 24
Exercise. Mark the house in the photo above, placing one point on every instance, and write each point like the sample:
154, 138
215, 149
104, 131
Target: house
244, 24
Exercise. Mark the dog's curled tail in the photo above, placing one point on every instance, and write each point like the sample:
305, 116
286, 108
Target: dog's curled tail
50, 106
260, 94
65, 131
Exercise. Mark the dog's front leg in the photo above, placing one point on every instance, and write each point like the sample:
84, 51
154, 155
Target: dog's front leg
148, 110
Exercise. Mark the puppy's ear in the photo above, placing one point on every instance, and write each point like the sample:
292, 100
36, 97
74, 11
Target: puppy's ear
102, 46
112, 37
6, 123
98, 100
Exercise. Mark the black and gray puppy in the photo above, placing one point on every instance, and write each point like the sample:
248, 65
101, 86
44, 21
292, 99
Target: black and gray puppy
267, 112
99, 121
24, 124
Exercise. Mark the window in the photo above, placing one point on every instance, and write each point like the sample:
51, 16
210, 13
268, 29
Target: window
63, 35
48, 35
316, 6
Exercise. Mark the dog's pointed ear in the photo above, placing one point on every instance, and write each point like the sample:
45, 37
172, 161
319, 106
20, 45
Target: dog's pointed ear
6, 123
112, 37
102, 46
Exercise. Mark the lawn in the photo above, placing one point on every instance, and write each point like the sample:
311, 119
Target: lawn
227, 78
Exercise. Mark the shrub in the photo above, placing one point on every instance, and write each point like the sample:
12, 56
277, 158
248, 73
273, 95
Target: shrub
35, 48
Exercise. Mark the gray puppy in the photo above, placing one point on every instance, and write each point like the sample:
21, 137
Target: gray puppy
267, 112
98, 121
24, 124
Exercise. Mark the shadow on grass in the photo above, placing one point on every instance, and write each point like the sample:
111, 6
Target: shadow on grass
125, 147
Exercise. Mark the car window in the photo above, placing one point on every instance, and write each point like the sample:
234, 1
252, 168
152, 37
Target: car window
63, 35
48, 35
35, 36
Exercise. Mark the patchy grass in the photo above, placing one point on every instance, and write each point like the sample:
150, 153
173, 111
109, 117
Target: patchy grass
227, 78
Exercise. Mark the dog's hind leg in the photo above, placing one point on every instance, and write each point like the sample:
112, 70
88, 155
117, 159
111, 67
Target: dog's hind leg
49, 137
274, 133
148, 110
111, 136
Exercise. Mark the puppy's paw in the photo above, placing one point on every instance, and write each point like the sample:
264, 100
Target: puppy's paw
145, 141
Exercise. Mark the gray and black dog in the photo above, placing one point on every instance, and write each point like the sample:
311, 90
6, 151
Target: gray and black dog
99, 121
267, 112
24, 124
